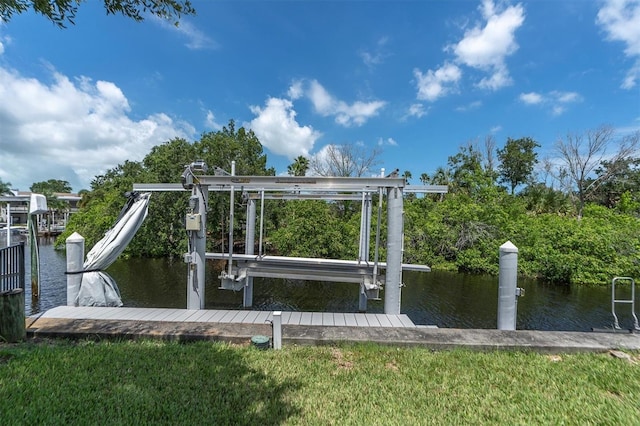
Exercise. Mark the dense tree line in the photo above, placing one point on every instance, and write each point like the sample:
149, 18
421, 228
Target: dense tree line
163, 233
570, 226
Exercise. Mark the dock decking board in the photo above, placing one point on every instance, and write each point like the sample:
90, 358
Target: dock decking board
229, 316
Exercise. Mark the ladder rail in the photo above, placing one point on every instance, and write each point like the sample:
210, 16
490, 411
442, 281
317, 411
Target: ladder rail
632, 302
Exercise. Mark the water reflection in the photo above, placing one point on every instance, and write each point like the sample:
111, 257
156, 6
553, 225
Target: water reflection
438, 298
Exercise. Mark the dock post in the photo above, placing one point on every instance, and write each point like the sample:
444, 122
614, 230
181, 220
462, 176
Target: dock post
8, 224
363, 254
277, 329
507, 287
196, 275
393, 281
75, 260
250, 241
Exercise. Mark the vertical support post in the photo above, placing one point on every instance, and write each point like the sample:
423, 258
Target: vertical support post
277, 330
75, 260
363, 250
232, 203
393, 280
196, 276
250, 241
35, 256
507, 287
8, 224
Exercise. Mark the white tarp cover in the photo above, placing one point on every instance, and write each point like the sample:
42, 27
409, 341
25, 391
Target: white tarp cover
98, 288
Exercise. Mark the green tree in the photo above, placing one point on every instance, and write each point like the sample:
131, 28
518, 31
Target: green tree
517, 160
5, 187
310, 228
62, 12
619, 179
299, 166
51, 186
581, 154
162, 233
468, 175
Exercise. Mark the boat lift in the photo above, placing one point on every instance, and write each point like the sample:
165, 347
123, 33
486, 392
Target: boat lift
241, 268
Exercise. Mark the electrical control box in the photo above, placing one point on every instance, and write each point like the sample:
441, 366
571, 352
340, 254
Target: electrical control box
192, 222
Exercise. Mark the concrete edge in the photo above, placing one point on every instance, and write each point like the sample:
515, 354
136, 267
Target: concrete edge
430, 338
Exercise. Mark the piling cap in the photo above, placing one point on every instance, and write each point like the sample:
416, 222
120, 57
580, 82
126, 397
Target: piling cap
508, 247
74, 238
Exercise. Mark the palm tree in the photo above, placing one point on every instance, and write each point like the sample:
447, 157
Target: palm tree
5, 187
299, 166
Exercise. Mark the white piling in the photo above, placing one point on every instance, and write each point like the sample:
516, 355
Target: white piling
250, 241
8, 224
196, 273
277, 329
393, 281
75, 260
507, 287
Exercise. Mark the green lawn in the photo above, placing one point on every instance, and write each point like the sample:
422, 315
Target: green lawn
151, 382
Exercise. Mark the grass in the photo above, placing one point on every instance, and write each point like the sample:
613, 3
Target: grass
151, 382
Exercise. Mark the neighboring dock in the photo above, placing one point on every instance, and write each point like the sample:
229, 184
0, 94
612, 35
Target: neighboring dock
307, 328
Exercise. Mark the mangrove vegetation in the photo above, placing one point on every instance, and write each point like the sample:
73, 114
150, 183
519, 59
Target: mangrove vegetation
573, 216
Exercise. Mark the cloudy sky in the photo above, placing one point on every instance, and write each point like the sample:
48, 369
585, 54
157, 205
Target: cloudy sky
415, 79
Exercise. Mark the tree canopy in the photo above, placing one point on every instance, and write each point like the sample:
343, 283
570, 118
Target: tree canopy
163, 233
63, 12
517, 159
344, 161
461, 230
299, 166
5, 187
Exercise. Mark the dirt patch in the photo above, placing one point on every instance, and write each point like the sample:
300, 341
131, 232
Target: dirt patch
341, 359
392, 366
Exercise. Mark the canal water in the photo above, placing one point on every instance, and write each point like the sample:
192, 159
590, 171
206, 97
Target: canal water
438, 298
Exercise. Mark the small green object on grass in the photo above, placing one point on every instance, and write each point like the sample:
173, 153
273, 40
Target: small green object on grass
260, 342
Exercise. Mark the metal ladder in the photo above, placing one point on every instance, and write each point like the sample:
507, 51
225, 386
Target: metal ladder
631, 301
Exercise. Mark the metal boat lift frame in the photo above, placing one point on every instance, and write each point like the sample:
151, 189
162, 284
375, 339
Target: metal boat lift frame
241, 268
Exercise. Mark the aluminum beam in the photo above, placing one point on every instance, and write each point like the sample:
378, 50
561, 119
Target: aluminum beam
280, 186
309, 262
280, 183
426, 189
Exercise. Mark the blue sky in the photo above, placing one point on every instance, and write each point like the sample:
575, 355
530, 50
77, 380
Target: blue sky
414, 79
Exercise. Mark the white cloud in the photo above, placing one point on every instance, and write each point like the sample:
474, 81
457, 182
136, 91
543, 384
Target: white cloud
557, 101
377, 55
486, 47
72, 130
435, 84
500, 78
277, 128
345, 114
620, 19
196, 38
210, 121
531, 98
296, 90
416, 110
387, 141
471, 106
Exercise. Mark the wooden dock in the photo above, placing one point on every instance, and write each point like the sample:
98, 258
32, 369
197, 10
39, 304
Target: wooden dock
306, 328
223, 316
